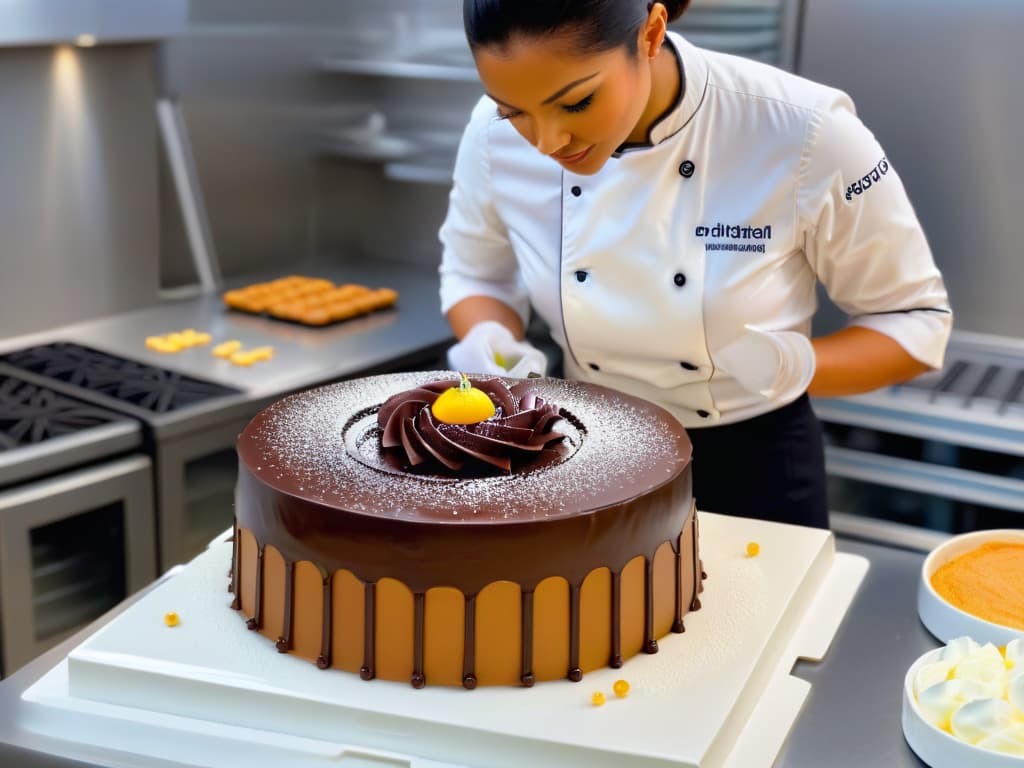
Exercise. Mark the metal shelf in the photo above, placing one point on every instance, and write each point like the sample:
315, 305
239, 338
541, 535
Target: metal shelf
947, 482
415, 70
975, 401
419, 173
407, 155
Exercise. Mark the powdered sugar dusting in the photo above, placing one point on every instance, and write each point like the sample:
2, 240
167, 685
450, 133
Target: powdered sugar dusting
626, 448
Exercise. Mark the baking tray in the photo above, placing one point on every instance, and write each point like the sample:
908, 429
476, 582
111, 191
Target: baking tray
309, 301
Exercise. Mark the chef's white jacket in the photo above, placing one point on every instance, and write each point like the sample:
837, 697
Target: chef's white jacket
664, 274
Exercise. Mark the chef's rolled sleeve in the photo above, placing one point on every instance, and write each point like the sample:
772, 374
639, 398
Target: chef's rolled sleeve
863, 239
477, 258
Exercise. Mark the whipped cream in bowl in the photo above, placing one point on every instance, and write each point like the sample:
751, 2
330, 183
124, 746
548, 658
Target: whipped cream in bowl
963, 705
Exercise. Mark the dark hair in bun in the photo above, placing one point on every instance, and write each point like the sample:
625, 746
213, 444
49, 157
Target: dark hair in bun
598, 25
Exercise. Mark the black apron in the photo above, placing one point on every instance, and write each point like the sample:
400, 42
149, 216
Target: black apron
770, 467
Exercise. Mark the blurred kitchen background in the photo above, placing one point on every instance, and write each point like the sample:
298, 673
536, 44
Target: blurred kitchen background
154, 154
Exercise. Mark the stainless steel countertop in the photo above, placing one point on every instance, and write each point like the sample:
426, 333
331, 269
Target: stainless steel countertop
850, 720
413, 330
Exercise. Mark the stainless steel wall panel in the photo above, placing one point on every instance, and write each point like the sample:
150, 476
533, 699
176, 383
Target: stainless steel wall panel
939, 84
78, 195
44, 22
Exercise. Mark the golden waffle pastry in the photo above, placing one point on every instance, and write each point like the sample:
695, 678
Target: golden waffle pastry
308, 300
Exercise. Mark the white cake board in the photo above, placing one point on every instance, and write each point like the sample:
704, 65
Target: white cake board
210, 693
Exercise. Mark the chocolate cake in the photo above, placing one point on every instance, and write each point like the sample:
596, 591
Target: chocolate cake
573, 550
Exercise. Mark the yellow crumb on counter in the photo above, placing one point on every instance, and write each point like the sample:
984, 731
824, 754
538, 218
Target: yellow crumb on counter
162, 344
597, 699
194, 338
234, 352
261, 353
171, 619
176, 341
753, 549
226, 348
246, 357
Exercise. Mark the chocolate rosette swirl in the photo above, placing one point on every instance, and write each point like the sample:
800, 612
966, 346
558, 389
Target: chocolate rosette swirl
522, 426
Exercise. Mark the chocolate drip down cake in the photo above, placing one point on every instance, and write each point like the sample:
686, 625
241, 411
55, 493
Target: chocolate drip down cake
440, 530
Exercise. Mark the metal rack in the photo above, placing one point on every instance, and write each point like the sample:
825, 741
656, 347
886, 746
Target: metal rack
945, 450
763, 30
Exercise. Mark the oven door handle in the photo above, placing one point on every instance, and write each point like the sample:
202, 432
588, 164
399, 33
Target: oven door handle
948, 482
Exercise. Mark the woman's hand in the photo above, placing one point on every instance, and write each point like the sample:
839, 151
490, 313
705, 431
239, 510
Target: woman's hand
477, 309
856, 360
772, 364
491, 334
489, 347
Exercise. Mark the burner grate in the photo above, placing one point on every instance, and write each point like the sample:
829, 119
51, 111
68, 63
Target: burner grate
144, 386
31, 414
975, 401
968, 381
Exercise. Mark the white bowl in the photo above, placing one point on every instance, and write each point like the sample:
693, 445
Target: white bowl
936, 747
944, 620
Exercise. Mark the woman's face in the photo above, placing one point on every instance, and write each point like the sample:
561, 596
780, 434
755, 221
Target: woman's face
576, 108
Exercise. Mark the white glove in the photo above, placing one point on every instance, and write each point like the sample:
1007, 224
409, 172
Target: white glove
490, 347
772, 364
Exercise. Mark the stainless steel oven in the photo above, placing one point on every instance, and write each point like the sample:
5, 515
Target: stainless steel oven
76, 516
188, 429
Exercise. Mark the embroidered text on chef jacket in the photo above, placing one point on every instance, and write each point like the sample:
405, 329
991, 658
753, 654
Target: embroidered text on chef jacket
684, 272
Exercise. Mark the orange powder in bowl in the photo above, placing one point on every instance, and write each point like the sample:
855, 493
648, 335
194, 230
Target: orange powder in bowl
987, 582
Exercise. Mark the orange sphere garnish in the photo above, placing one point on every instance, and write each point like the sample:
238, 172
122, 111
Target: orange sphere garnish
171, 619
597, 699
621, 688
464, 404
753, 549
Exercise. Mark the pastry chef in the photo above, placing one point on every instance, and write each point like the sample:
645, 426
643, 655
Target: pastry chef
668, 211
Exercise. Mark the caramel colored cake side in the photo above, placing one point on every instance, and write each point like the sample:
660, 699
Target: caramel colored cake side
577, 558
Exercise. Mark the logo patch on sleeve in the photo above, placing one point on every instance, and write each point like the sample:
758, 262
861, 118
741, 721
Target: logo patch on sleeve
868, 180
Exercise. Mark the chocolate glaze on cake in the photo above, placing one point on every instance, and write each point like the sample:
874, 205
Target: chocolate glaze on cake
315, 486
